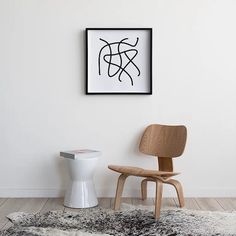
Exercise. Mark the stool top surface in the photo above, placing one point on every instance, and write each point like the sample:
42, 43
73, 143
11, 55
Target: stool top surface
80, 154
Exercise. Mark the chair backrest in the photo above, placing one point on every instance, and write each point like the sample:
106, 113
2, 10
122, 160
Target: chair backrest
163, 140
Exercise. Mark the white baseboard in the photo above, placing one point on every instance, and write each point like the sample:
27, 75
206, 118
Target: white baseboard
34, 193
108, 192
170, 192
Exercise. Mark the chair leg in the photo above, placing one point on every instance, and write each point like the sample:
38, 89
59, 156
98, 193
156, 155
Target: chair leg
144, 189
179, 190
119, 190
159, 189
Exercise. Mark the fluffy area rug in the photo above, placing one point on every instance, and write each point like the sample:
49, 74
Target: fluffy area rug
127, 222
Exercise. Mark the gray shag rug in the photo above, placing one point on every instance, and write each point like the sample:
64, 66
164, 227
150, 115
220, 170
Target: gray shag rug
129, 220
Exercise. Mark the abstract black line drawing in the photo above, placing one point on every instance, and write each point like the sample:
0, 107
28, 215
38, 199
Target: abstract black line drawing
119, 58
118, 61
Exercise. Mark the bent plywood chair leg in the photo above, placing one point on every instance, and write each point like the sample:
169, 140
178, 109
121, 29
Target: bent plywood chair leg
119, 190
159, 189
144, 189
179, 190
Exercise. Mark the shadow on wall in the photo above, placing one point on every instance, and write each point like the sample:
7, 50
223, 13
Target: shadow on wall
81, 61
63, 176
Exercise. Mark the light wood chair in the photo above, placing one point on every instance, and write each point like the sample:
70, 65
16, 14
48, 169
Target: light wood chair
165, 142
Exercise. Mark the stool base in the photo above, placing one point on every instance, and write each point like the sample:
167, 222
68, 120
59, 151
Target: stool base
80, 194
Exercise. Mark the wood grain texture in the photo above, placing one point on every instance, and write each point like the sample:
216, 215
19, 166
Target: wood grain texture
179, 190
9, 206
119, 190
126, 200
140, 172
168, 203
163, 140
158, 198
31, 205
53, 204
209, 204
2, 200
165, 164
104, 202
233, 202
226, 204
189, 203
144, 189
146, 202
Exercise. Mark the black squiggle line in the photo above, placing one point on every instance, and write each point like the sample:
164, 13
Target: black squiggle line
99, 55
118, 49
123, 69
120, 69
133, 63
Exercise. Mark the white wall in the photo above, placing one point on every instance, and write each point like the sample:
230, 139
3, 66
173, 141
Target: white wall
44, 108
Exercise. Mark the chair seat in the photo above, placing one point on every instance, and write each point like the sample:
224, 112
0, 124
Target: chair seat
136, 171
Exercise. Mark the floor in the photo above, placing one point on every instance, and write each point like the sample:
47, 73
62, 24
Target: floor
33, 205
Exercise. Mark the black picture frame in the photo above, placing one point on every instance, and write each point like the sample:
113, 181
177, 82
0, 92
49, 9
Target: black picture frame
93, 35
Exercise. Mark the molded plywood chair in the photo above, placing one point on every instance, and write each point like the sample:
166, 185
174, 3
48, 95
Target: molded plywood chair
164, 142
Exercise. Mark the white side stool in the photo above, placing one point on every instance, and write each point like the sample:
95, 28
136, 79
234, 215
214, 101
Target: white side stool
81, 166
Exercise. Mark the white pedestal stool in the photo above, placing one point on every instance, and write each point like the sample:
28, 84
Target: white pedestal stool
80, 192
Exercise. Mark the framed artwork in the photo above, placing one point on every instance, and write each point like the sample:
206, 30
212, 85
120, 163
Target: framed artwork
118, 61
